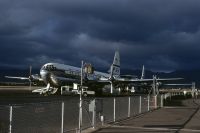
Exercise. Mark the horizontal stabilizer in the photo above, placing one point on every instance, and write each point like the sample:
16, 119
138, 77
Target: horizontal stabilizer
42, 90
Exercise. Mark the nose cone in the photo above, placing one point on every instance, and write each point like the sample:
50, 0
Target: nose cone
44, 75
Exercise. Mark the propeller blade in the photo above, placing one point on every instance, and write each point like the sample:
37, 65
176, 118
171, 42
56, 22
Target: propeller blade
30, 84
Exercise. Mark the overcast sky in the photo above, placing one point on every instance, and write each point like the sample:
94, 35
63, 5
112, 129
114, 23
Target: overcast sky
162, 35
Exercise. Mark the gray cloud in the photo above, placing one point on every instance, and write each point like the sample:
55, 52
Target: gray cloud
163, 35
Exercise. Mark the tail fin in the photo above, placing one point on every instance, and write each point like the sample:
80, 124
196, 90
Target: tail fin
115, 67
143, 73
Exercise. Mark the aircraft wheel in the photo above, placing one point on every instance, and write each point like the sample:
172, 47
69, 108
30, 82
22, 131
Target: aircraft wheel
45, 94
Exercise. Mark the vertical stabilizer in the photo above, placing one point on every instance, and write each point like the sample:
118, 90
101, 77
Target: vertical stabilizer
142, 76
115, 67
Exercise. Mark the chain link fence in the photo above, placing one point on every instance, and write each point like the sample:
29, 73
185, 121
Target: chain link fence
71, 115
4, 119
63, 116
36, 118
134, 105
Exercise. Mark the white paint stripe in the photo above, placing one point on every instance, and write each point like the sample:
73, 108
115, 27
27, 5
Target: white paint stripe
176, 107
166, 129
190, 130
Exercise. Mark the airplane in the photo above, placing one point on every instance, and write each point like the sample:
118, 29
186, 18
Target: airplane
143, 84
55, 75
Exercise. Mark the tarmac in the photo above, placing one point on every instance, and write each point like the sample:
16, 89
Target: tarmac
18, 89
181, 119
19, 95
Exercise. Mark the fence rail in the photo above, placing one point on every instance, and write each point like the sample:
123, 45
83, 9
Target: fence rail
63, 116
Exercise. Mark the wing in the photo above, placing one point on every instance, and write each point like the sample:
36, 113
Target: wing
22, 78
34, 77
65, 79
168, 79
121, 80
178, 84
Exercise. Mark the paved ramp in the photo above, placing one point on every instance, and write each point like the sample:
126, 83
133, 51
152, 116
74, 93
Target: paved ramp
184, 119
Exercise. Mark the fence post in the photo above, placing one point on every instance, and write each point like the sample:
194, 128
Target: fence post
114, 109
94, 114
129, 106
11, 113
156, 101
140, 104
62, 115
148, 100
161, 101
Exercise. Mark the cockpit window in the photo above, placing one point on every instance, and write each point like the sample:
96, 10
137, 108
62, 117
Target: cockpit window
49, 67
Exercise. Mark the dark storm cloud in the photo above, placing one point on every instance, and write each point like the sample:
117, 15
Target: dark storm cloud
163, 35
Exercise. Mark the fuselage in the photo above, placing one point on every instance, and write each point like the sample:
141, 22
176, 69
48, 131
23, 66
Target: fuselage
59, 74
